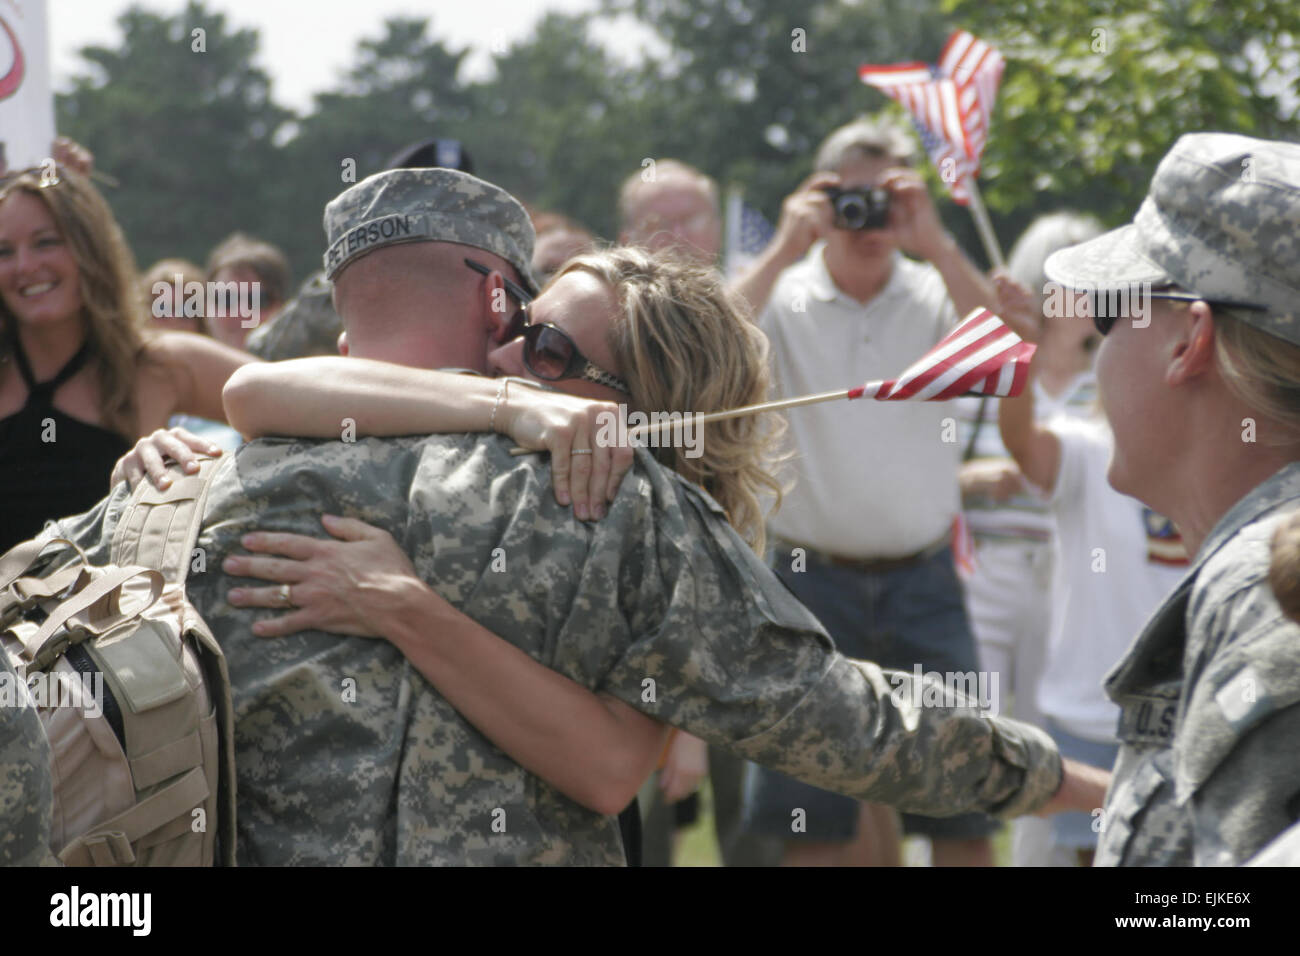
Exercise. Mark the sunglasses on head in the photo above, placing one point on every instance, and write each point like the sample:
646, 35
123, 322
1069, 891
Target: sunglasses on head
49, 173
1104, 317
549, 352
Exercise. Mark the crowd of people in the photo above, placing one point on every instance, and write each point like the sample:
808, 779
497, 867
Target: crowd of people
565, 645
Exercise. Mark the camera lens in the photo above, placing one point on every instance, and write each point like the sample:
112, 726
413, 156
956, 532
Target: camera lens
853, 210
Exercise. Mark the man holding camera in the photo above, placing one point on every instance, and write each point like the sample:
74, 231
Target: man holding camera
864, 537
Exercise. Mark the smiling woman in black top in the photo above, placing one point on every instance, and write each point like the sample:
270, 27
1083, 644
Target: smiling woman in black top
80, 379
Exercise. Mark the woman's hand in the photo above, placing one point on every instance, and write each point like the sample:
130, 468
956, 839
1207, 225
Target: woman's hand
684, 767
347, 586
564, 425
147, 458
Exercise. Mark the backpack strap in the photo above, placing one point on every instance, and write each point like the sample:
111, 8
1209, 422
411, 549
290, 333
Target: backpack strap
44, 646
158, 527
19, 559
109, 843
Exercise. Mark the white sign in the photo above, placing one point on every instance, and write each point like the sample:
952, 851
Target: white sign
26, 101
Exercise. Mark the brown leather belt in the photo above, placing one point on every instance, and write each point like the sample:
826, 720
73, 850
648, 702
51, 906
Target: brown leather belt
873, 565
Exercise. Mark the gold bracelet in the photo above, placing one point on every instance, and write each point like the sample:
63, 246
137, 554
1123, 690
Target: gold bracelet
492, 421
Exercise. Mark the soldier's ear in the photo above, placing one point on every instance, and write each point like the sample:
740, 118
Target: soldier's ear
1191, 351
499, 305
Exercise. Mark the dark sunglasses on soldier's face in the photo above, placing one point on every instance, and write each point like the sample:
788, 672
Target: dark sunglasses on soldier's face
549, 353
515, 327
1104, 317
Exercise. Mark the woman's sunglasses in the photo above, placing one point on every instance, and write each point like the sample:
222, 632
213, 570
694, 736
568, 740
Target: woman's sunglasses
549, 353
1109, 306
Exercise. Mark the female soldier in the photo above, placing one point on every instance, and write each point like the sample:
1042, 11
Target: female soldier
1199, 375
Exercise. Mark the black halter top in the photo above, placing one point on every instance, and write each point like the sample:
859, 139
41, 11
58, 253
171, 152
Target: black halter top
51, 464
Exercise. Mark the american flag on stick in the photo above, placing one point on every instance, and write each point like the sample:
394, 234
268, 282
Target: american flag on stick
950, 104
981, 356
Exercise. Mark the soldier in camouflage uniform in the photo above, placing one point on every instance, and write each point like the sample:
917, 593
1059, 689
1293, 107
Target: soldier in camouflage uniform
309, 324
1200, 388
347, 755
25, 794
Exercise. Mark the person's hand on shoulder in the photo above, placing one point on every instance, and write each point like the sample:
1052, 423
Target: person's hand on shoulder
149, 457
587, 461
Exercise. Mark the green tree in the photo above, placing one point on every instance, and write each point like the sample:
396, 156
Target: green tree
403, 88
1095, 93
748, 88
184, 122
556, 125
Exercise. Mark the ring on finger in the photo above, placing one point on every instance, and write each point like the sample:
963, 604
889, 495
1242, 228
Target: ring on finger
285, 595
580, 451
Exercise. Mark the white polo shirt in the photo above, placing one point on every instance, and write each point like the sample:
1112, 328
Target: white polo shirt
872, 479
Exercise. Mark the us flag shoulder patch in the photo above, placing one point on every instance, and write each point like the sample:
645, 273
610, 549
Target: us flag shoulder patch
1164, 542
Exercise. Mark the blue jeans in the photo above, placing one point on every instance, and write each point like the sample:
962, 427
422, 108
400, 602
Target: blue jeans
897, 619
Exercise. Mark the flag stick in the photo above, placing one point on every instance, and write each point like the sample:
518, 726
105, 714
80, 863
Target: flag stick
980, 343
983, 226
701, 419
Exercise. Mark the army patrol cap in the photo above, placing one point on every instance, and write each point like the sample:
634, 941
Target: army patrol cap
427, 205
1221, 220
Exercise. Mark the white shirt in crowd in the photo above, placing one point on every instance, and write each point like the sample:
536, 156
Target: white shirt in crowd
1025, 516
1096, 613
872, 479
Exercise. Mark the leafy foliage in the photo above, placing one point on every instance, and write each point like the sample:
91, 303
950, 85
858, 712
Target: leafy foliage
743, 89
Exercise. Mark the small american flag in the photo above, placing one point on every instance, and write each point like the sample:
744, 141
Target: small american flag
976, 69
949, 104
981, 356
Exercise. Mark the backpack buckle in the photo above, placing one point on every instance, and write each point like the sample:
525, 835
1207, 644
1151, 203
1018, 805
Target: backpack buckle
109, 849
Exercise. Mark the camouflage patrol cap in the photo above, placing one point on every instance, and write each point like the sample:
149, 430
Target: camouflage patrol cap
1221, 220
427, 205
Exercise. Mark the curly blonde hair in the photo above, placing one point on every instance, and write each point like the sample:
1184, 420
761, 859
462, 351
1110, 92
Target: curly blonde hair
110, 301
683, 343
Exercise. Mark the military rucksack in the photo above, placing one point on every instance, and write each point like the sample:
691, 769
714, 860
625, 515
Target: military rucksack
144, 771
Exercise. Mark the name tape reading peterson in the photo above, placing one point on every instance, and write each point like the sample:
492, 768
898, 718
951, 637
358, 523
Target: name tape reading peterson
368, 233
